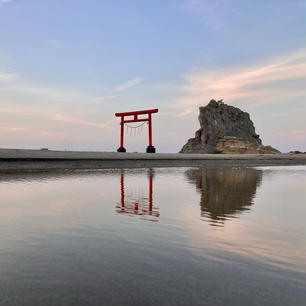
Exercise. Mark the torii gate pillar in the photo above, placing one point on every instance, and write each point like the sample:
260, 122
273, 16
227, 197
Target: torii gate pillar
149, 112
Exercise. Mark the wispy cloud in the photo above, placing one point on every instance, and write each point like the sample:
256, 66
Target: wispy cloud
279, 80
2, 2
81, 121
128, 84
25, 131
278, 115
33, 90
28, 109
18, 128
292, 133
52, 115
208, 10
114, 93
7, 71
103, 98
12, 82
5, 76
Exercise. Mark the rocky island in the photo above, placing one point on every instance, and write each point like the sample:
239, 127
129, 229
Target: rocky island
225, 129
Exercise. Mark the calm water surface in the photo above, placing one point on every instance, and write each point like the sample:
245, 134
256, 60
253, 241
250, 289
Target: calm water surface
184, 236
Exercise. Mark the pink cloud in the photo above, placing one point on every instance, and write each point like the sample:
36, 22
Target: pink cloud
254, 85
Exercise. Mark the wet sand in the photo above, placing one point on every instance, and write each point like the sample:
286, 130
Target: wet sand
19, 160
164, 236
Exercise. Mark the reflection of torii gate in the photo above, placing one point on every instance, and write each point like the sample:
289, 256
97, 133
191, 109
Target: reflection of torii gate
149, 112
140, 207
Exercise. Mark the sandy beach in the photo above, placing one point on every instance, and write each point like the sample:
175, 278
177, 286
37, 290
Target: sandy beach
19, 160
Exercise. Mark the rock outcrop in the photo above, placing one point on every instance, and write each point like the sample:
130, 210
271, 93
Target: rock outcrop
235, 145
295, 152
225, 129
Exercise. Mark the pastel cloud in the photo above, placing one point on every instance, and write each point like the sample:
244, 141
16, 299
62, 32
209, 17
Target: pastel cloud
103, 98
256, 85
297, 134
128, 84
52, 115
81, 121
11, 83
37, 101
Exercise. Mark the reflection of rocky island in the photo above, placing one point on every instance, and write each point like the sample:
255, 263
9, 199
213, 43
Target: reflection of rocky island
225, 192
139, 205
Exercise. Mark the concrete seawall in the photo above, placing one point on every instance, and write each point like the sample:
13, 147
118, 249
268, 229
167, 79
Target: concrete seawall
15, 160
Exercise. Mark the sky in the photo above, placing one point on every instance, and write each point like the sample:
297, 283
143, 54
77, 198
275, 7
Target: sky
67, 66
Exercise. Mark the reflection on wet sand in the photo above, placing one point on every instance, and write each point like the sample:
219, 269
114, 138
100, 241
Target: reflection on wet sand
135, 203
225, 192
136, 199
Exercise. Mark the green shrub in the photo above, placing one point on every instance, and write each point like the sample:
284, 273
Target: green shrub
217, 152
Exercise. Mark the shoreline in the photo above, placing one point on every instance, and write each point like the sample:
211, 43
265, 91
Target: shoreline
20, 160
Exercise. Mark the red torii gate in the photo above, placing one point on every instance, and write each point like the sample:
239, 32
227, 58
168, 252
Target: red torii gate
149, 112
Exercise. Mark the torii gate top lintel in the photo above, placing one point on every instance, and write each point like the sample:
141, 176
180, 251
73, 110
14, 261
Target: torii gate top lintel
143, 112
149, 112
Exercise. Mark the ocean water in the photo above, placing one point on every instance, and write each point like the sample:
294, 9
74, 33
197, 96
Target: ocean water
168, 236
